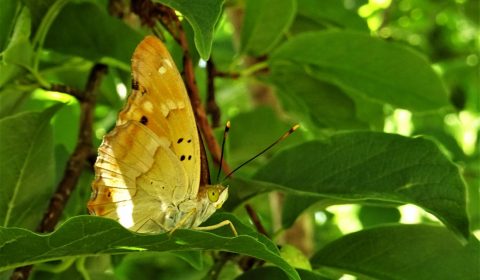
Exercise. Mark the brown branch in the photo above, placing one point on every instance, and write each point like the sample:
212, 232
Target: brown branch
255, 220
76, 162
68, 90
231, 75
212, 107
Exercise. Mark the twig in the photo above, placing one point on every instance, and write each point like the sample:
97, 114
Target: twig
256, 221
231, 75
67, 89
74, 165
212, 106
219, 263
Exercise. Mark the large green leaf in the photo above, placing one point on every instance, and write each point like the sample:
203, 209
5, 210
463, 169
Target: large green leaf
7, 20
17, 55
27, 167
324, 104
84, 29
270, 272
365, 66
202, 16
313, 14
402, 252
378, 166
264, 24
84, 236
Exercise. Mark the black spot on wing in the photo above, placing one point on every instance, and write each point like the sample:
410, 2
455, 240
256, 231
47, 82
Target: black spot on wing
135, 85
144, 120
182, 158
179, 140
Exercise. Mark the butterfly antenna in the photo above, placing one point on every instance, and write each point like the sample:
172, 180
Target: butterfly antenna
285, 135
225, 134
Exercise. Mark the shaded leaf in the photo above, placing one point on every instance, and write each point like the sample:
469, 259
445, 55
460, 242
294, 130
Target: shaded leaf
202, 16
402, 252
264, 24
294, 205
18, 52
328, 14
270, 272
365, 66
84, 29
7, 20
378, 166
308, 97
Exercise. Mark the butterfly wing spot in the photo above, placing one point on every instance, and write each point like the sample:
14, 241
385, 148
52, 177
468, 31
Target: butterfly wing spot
189, 141
144, 120
182, 158
190, 157
167, 62
162, 70
179, 140
135, 85
148, 106
164, 109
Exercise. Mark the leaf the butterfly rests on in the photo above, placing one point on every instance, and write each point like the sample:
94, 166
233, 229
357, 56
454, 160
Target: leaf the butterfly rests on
147, 174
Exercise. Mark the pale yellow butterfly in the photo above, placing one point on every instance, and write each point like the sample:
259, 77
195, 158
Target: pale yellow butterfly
151, 174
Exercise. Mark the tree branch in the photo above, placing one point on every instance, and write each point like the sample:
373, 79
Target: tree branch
212, 106
76, 162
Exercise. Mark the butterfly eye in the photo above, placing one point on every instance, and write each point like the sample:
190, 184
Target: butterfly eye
213, 195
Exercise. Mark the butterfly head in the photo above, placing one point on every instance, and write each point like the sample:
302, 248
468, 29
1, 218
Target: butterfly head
216, 195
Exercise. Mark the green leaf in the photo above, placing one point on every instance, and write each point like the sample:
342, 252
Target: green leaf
368, 165
84, 236
402, 252
7, 20
264, 24
202, 16
324, 104
83, 29
365, 66
295, 257
27, 167
194, 258
328, 14
270, 272
245, 141
294, 205
18, 52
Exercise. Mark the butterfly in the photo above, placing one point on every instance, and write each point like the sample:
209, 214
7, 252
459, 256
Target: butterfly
151, 173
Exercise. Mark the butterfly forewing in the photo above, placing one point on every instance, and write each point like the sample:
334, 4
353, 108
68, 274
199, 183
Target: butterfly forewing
160, 101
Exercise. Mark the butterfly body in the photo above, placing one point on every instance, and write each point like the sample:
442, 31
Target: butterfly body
147, 173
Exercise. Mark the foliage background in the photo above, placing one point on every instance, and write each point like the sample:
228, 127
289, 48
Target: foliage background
386, 93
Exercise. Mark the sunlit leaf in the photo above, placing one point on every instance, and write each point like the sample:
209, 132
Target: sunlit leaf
367, 165
82, 236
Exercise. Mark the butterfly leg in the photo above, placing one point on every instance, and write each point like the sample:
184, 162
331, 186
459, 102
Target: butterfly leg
183, 221
219, 225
